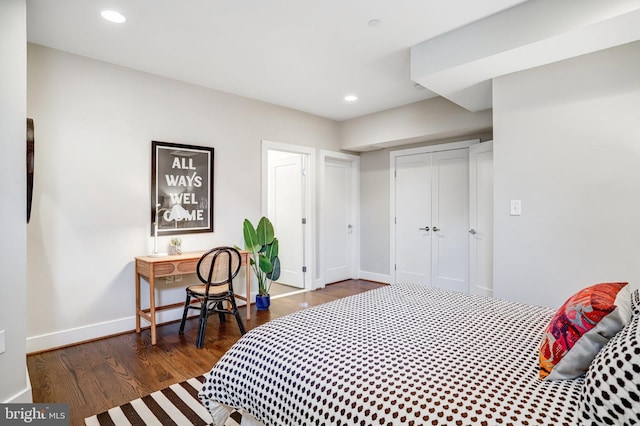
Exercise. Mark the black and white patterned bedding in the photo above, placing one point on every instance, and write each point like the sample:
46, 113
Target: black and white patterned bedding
398, 355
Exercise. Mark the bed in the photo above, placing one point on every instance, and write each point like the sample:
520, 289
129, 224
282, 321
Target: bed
399, 355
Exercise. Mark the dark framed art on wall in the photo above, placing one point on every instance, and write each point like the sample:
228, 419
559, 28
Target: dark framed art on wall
181, 188
30, 165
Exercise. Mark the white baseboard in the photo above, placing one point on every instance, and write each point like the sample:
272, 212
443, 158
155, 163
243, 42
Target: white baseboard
372, 276
25, 396
80, 334
95, 331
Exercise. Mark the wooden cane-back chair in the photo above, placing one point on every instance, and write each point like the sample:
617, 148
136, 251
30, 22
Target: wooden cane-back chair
216, 270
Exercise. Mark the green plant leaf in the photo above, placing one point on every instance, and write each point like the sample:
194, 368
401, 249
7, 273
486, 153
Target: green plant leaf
265, 263
250, 237
271, 250
275, 271
265, 231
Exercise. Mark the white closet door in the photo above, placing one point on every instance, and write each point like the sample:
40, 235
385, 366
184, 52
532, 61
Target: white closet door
450, 220
430, 216
481, 219
413, 218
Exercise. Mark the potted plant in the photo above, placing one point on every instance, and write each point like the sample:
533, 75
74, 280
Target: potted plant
263, 246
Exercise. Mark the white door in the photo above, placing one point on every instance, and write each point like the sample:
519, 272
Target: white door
481, 219
338, 220
430, 221
285, 210
413, 218
450, 220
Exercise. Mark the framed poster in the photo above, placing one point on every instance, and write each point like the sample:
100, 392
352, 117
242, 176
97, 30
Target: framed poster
181, 188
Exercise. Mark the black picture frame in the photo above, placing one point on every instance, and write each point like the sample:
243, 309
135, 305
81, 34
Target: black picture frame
181, 188
30, 165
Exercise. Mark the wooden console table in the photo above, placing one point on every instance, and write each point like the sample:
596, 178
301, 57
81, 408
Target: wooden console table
185, 263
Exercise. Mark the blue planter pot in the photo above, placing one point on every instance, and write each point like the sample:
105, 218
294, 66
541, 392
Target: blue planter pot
263, 302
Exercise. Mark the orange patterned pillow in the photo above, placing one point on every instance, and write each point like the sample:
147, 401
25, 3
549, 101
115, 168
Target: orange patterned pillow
581, 327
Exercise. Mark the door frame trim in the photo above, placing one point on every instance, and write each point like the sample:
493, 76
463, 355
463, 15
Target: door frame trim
354, 160
392, 189
310, 200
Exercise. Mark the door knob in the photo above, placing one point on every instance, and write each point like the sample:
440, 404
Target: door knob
472, 231
426, 228
436, 229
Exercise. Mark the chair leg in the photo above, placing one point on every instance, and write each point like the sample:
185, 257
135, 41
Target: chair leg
202, 326
184, 315
221, 315
236, 314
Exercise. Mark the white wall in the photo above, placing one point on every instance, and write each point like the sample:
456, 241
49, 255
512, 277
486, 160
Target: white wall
374, 216
14, 386
91, 212
430, 120
567, 143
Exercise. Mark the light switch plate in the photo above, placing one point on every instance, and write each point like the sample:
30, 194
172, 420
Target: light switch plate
515, 208
2, 346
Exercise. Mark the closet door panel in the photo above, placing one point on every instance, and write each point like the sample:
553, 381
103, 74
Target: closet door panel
450, 218
412, 212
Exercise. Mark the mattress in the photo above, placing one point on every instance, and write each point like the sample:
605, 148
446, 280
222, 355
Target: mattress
404, 354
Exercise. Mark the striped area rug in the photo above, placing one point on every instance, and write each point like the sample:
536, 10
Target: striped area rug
176, 405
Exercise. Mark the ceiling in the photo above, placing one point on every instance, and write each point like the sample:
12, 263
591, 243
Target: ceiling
308, 54
462, 64
302, 54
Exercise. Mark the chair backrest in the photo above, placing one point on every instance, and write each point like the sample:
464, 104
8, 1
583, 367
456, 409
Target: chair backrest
219, 266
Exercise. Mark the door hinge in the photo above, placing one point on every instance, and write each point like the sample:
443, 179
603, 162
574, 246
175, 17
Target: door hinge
304, 220
304, 269
395, 267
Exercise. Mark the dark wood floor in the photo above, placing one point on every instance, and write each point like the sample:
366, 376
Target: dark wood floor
93, 377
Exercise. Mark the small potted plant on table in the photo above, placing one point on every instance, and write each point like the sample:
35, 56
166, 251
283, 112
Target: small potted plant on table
263, 246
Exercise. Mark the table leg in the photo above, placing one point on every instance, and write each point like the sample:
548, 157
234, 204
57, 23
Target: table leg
248, 284
137, 302
152, 307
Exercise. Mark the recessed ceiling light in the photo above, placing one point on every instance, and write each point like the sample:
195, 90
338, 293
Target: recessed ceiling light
351, 98
113, 16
